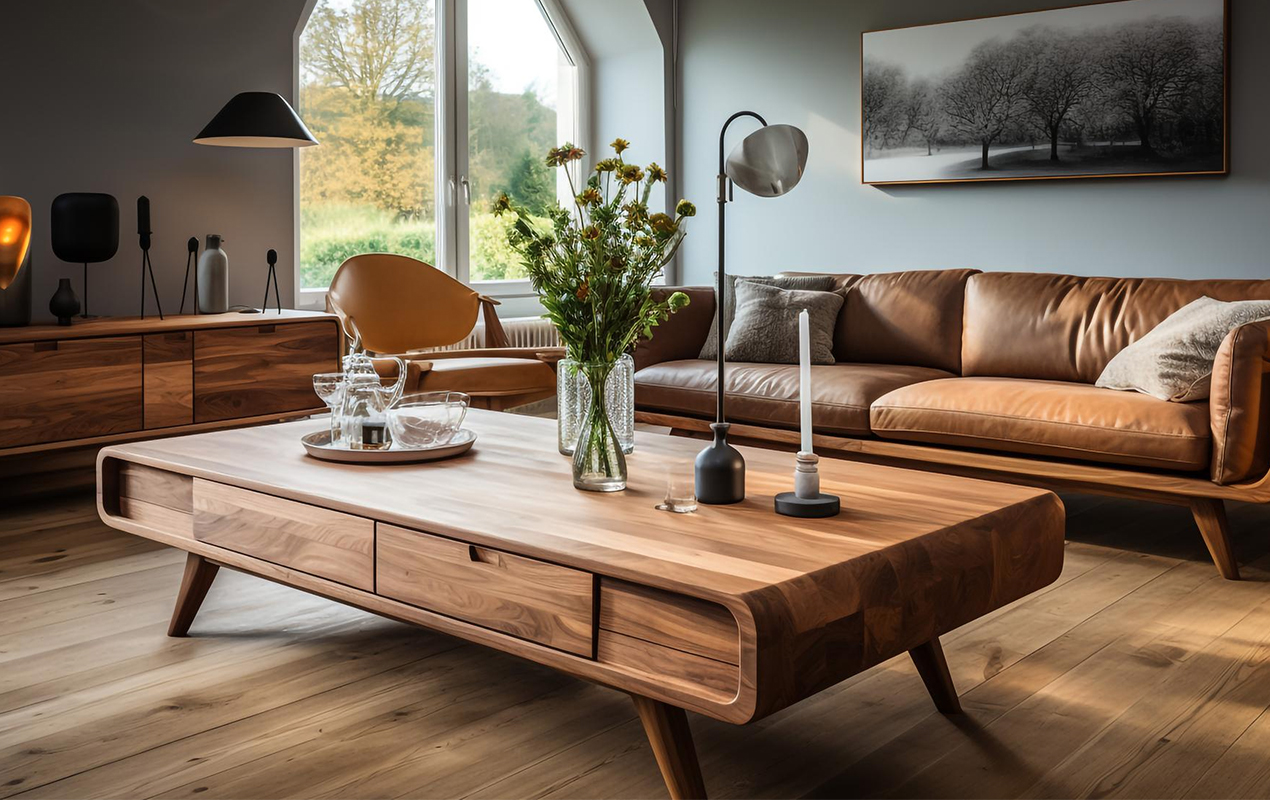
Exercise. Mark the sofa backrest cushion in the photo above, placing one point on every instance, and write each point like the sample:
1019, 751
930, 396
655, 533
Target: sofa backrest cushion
911, 318
1066, 327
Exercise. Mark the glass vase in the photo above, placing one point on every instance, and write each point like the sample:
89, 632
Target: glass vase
598, 462
573, 394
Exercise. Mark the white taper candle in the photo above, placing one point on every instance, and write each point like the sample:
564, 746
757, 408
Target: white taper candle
804, 379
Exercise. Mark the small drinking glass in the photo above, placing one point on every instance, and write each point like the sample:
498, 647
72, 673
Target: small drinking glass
329, 387
681, 497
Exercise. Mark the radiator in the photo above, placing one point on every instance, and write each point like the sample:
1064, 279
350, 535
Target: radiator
521, 332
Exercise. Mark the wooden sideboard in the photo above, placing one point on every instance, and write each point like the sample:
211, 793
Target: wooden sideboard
119, 378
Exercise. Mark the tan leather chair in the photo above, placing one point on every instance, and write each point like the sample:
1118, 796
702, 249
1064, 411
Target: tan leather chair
396, 305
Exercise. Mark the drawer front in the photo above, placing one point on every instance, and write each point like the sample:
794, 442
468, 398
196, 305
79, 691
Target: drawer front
74, 389
328, 544
169, 379
261, 369
672, 620
531, 599
670, 637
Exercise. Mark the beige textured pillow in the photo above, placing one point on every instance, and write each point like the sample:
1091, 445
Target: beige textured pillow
814, 283
1175, 360
765, 330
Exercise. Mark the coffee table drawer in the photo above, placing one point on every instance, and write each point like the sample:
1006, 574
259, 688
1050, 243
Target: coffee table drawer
531, 599
321, 542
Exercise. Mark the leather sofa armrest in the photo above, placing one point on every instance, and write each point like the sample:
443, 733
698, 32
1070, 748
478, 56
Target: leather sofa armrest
1239, 405
681, 336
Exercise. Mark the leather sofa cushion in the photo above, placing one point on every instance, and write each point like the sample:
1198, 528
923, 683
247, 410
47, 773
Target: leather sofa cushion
487, 377
1066, 327
1048, 418
901, 318
767, 394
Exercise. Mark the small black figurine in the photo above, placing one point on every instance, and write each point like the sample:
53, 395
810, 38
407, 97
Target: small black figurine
272, 258
64, 304
191, 258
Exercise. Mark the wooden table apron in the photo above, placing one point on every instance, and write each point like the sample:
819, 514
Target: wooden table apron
912, 556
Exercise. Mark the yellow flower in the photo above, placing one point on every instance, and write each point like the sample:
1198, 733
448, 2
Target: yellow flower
661, 223
607, 165
644, 241
590, 233
501, 204
630, 173
590, 197
620, 144
656, 173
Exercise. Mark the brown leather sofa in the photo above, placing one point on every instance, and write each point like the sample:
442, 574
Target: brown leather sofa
991, 374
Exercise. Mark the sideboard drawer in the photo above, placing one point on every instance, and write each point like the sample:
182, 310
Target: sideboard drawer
266, 368
53, 391
169, 379
532, 599
328, 544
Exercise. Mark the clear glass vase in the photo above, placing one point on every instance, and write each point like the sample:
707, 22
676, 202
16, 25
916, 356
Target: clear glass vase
598, 462
573, 396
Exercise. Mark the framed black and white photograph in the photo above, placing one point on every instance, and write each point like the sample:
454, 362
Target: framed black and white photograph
1123, 88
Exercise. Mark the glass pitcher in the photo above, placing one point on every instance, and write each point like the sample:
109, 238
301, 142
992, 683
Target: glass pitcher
363, 410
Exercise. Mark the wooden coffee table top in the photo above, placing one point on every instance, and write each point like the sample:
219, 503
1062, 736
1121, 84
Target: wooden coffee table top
912, 555
514, 490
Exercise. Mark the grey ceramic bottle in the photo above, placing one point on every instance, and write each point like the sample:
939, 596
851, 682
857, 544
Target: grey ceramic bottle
213, 277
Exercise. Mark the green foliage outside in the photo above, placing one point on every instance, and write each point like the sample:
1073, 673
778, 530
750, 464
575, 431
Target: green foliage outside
367, 94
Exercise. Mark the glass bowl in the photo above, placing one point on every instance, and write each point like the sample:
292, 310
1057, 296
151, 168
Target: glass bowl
429, 419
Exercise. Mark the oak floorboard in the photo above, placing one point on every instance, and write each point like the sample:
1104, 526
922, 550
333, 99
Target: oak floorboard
1068, 692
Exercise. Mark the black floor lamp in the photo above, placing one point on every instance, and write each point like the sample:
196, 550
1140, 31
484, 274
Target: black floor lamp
767, 163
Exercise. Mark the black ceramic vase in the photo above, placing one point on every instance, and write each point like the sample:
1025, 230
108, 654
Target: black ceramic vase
64, 304
720, 470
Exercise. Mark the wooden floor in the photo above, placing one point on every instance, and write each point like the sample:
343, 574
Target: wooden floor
1139, 674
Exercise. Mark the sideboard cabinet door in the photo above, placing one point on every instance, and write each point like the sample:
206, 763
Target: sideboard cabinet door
261, 369
56, 391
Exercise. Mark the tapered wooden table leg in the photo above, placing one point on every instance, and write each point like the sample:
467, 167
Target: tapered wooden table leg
1210, 516
671, 739
199, 574
929, 659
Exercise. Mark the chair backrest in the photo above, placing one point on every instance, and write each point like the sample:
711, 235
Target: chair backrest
397, 303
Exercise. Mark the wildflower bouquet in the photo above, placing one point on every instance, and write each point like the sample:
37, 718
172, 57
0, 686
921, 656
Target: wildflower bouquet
594, 268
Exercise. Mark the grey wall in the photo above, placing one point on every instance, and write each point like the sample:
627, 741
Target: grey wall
106, 96
798, 62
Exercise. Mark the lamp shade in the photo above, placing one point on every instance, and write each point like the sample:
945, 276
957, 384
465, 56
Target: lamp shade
15, 237
770, 161
256, 119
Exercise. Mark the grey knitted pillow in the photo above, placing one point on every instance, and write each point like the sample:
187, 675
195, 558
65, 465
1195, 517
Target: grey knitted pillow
813, 283
1174, 361
765, 330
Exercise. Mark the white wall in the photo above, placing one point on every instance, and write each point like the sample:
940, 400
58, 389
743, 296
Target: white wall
106, 97
798, 62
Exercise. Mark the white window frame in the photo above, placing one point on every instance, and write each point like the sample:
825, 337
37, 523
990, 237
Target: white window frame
452, 217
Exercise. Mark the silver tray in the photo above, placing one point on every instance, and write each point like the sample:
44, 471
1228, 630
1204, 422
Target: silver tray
318, 445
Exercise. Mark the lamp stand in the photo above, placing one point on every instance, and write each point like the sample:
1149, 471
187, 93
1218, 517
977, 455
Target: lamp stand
720, 468
146, 266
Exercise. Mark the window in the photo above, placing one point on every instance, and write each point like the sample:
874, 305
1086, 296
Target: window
424, 111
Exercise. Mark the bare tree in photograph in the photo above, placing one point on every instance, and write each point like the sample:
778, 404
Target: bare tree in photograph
1150, 66
987, 94
1063, 76
925, 113
882, 95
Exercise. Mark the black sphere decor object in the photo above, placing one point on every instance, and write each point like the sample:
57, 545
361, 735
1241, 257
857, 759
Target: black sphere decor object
720, 470
64, 303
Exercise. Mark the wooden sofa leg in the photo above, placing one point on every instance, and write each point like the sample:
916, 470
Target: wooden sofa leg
1210, 516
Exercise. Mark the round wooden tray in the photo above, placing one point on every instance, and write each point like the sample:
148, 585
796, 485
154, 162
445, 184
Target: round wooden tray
318, 445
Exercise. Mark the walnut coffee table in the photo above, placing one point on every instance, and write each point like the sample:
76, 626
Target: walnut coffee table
733, 612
